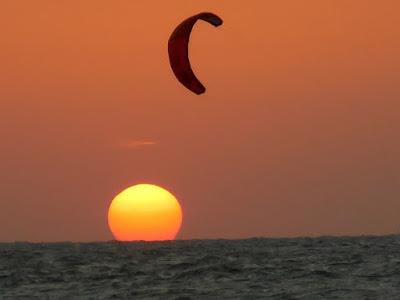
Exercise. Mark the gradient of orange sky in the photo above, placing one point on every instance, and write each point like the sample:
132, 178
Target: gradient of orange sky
298, 133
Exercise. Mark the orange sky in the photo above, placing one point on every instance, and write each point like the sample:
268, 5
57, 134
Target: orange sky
298, 133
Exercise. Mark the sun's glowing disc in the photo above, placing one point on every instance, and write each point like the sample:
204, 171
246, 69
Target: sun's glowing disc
144, 212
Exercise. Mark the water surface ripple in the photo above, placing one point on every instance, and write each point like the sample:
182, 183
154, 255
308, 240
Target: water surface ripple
298, 268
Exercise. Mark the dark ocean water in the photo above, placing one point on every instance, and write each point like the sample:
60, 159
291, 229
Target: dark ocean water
302, 268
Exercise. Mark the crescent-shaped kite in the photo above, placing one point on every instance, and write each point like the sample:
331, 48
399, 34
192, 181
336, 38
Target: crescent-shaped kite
178, 49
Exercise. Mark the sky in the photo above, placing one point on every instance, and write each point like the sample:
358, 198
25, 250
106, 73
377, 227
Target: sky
297, 134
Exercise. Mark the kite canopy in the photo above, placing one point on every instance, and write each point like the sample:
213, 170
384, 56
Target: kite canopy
178, 49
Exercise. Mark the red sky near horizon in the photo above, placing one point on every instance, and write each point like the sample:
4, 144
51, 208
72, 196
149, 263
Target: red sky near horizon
297, 134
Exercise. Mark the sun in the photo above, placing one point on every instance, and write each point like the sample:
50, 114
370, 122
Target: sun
144, 212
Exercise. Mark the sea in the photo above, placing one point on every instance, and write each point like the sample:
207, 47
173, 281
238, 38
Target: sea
364, 267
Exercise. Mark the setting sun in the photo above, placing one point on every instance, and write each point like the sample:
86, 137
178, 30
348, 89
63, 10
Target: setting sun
144, 212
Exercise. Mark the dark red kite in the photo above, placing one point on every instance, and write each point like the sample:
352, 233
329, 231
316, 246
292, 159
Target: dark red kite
179, 54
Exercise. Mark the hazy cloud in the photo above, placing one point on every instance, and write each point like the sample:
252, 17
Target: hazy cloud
133, 144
